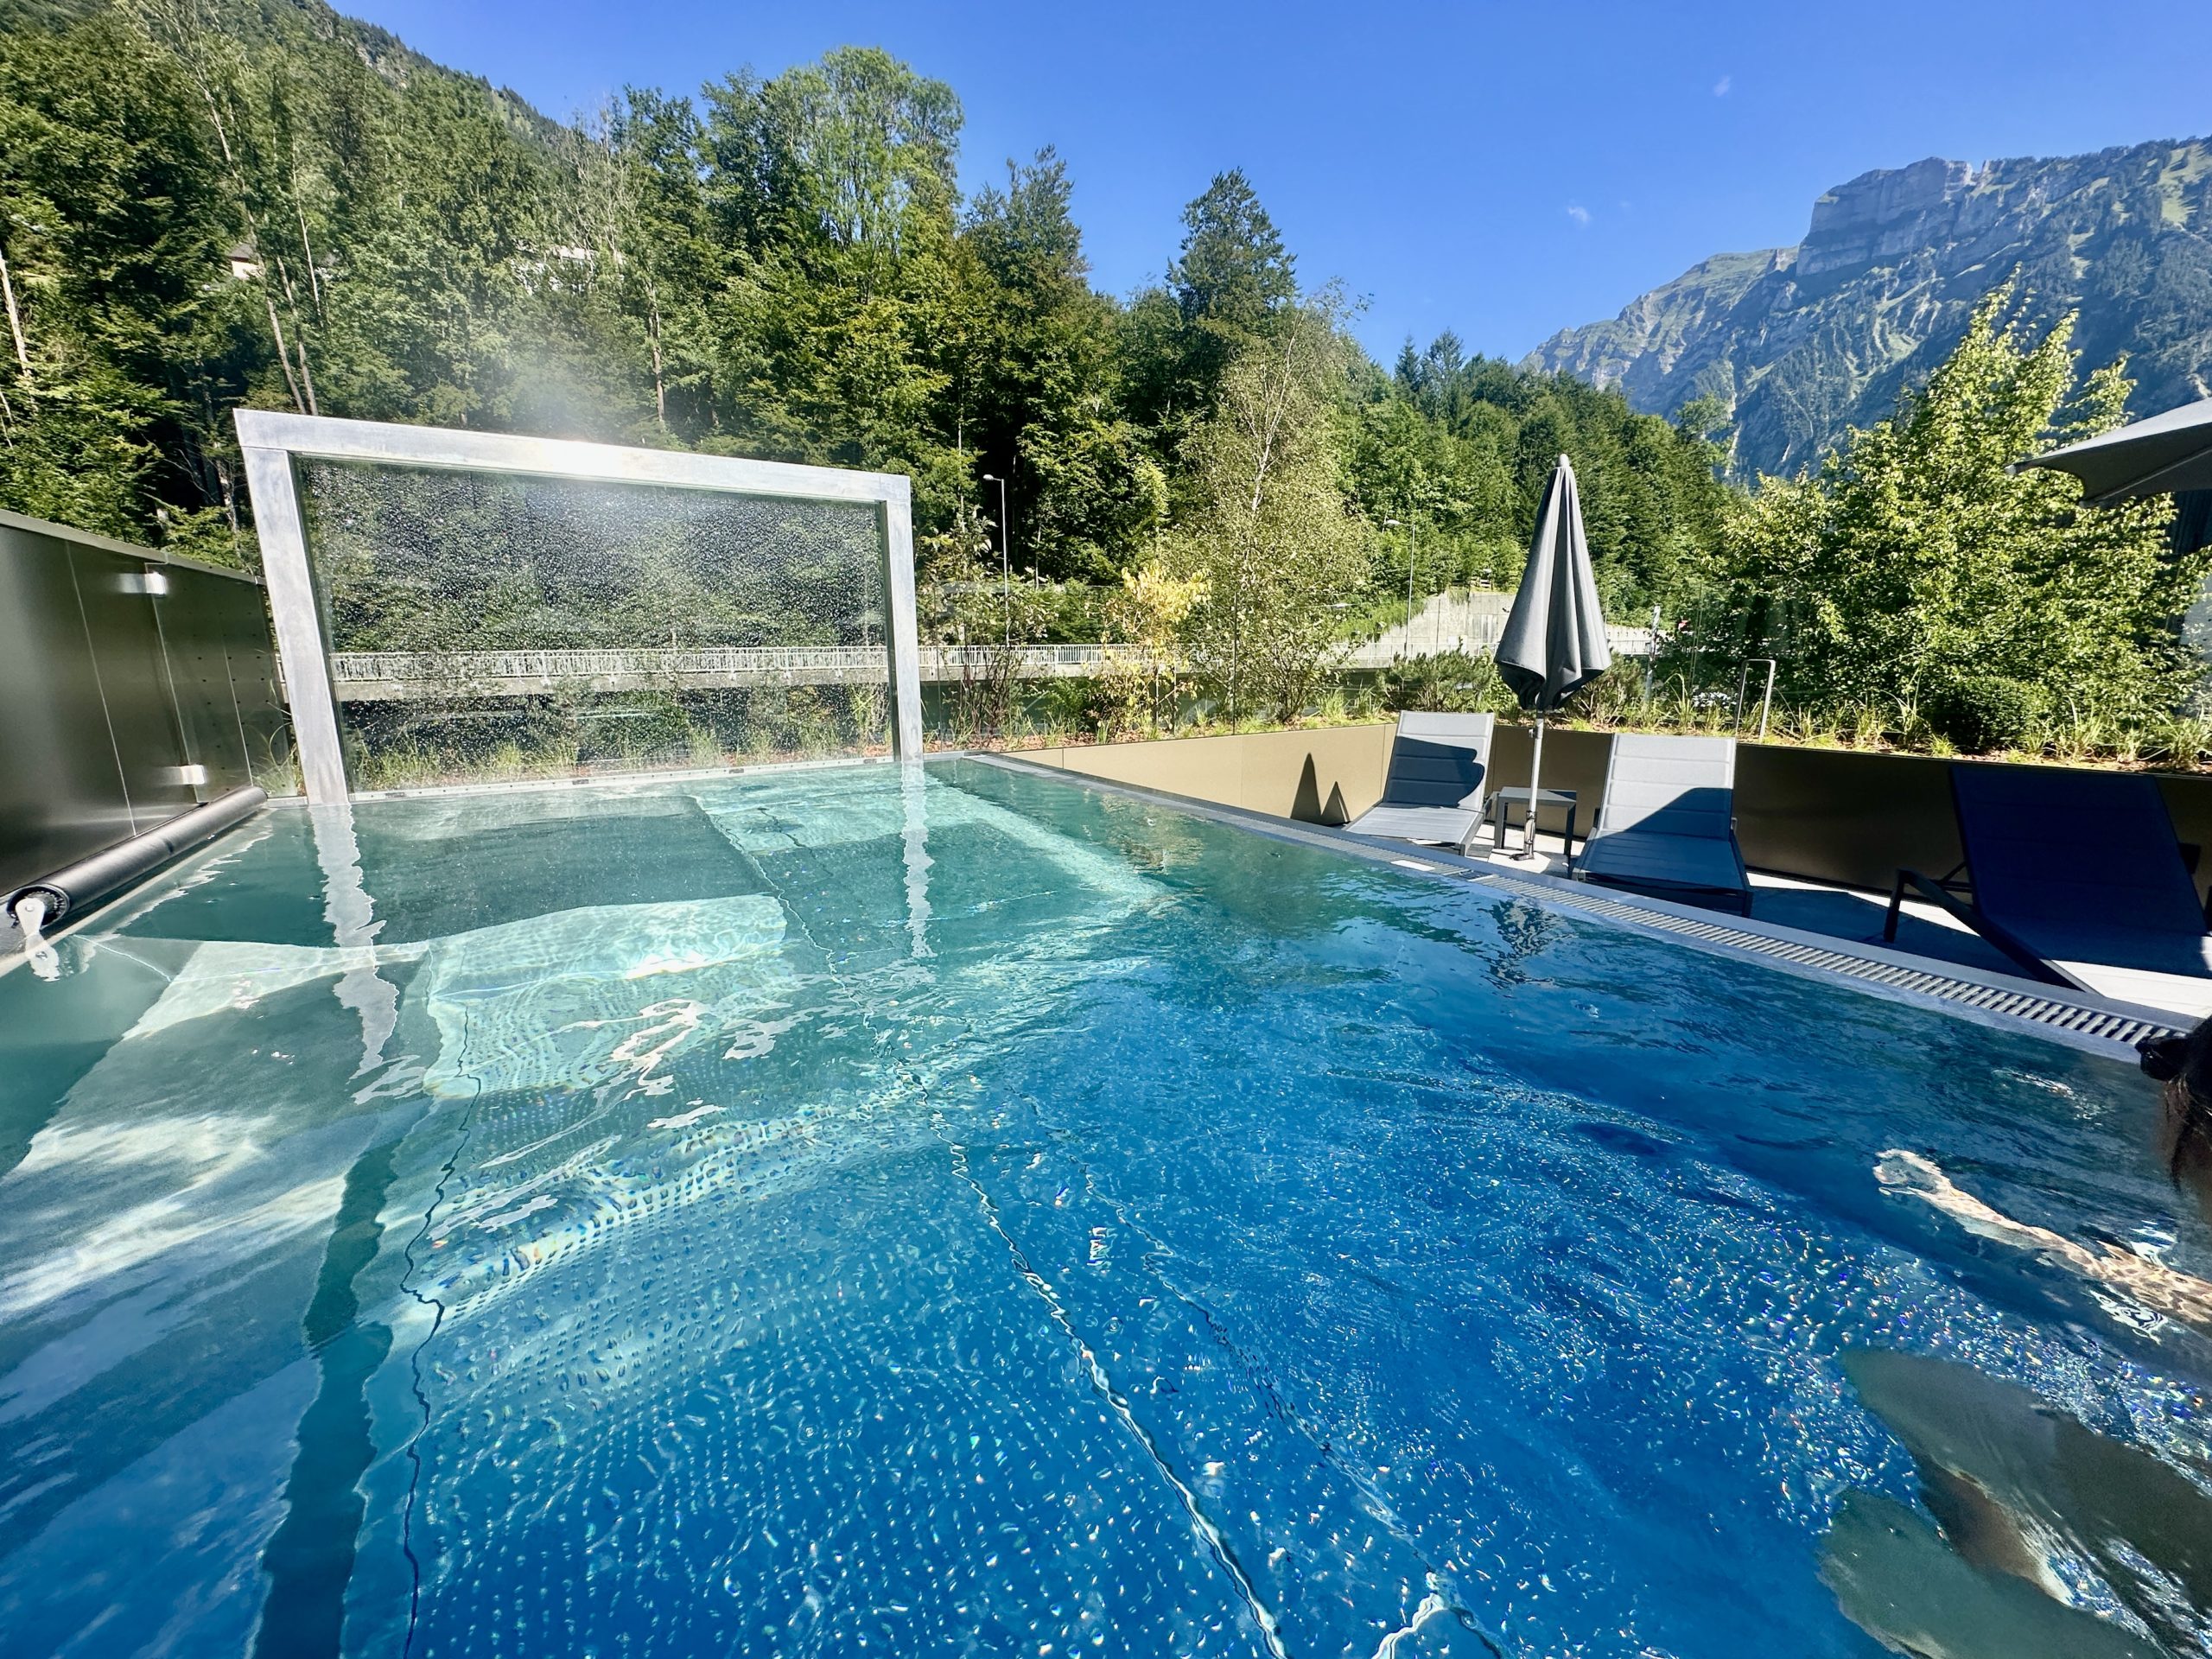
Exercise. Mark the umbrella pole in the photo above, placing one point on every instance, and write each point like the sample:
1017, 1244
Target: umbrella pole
1536, 791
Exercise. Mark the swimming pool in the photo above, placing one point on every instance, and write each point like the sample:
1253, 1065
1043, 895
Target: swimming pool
831, 1211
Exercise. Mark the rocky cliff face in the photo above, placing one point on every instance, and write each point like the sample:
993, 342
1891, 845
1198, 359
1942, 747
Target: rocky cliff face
1801, 342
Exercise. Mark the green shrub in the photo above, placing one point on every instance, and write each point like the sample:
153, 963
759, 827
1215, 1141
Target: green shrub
1452, 681
1984, 713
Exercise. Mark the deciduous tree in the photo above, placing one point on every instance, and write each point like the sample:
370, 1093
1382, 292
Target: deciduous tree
1268, 530
1916, 571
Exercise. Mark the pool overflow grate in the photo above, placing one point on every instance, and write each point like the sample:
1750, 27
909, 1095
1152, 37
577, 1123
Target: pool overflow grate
1997, 999
2079, 1019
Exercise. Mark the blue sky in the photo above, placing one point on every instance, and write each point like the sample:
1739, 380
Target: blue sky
1502, 170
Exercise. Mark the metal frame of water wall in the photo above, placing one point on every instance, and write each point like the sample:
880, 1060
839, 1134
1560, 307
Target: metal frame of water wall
272, 441
134, 685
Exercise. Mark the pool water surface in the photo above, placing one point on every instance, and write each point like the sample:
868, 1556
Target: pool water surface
836, 1211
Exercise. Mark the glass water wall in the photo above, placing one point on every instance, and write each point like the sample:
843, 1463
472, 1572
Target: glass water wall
487, 625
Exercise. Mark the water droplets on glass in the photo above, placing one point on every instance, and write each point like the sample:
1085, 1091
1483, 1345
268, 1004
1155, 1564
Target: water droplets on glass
492, 625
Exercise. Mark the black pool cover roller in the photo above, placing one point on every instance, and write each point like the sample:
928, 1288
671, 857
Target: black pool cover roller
75, 886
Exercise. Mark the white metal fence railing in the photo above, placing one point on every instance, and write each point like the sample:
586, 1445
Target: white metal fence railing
798, 664
587, 665
418, 673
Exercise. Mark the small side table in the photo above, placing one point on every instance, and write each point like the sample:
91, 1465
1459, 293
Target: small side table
1501, 798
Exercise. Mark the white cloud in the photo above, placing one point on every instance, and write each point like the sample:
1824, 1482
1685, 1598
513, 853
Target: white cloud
1578, 213
1720, 87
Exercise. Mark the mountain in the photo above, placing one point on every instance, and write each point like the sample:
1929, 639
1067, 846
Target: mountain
276, 27
1801, 341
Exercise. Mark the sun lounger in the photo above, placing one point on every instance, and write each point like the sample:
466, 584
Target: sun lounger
2078, 877
1667, 824
1439, 769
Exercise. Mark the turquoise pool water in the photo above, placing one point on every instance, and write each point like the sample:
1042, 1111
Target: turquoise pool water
822, 1213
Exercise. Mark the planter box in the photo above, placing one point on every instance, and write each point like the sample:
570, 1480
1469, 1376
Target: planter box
1326, 776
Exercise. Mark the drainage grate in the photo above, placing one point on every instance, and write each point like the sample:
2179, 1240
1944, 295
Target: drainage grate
2021, 1005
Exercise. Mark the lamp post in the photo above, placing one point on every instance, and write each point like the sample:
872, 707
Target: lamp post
1006, 561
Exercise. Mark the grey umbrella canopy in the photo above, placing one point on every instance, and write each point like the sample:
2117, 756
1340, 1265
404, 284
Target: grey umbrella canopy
1554, 641
2172, 451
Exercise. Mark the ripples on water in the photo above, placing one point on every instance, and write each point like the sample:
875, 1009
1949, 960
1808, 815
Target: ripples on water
817, 1215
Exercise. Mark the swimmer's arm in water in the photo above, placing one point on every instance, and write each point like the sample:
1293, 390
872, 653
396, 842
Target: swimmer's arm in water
2178, 1296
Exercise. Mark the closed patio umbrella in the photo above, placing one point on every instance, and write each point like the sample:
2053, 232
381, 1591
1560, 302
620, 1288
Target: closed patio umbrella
2172, 451
1554, 641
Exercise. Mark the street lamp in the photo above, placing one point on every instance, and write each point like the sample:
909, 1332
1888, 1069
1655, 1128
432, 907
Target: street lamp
1006, 561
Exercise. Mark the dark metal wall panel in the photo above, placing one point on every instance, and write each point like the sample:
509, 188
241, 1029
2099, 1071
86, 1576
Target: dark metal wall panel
2188, 799
251, 658
62, 795
1856, 818
1573, 760
206, 622
135, 684
115, 691
1843, 816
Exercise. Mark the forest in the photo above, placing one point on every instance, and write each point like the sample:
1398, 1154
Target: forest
209, 203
